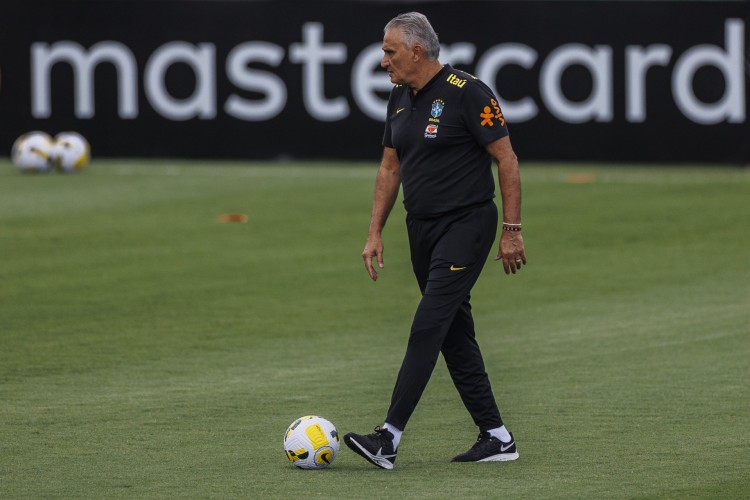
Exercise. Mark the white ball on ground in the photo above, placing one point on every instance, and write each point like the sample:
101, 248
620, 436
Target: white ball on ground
31, 152
311, 442
70, 152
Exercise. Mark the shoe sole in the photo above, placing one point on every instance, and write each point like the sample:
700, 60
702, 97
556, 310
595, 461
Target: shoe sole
502, 457
357, 448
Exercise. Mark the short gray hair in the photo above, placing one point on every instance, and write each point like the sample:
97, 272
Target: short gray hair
416, 28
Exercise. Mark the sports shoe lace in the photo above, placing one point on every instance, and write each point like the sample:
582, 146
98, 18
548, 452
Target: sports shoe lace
482, 440
381, 436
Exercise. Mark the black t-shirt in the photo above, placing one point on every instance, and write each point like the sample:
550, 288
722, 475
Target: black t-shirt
439, 136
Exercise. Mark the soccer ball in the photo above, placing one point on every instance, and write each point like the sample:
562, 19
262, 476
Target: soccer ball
311, 442
70, 152
31, 152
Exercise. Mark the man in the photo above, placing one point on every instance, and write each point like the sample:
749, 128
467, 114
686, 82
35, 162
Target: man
443, 129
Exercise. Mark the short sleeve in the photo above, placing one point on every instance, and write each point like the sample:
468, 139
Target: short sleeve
387, 137
482, 114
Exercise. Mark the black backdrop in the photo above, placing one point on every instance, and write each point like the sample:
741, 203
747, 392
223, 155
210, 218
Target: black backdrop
614, 81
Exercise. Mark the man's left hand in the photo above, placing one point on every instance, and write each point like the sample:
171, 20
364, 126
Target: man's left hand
511, 251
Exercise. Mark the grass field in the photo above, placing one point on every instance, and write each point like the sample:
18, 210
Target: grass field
149, 351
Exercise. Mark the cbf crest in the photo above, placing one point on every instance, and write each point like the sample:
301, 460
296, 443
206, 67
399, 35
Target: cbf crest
437, 108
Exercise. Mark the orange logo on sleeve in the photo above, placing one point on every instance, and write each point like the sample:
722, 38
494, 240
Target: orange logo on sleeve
498, 113
487, 117
488, 114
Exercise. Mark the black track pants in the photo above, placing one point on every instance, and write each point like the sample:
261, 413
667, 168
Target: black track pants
447, 255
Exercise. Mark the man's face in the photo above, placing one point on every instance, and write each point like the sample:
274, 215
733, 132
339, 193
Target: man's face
397, 57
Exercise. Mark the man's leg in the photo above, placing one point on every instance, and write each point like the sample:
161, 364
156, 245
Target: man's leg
456, 259
429, 328
466, 366
460, 349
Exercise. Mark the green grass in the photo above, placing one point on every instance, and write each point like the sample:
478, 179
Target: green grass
148, 351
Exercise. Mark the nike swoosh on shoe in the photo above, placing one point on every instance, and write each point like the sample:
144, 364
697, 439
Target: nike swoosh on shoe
378, 459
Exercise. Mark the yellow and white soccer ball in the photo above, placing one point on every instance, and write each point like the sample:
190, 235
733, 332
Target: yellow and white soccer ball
31, 152
70, 152
311, 442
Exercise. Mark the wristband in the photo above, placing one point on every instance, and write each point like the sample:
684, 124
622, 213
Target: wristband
511, 227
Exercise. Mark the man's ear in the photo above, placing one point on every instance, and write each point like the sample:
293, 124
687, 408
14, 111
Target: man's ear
417, 53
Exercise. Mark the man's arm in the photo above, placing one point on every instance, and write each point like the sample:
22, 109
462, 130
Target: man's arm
511, 250
387, 185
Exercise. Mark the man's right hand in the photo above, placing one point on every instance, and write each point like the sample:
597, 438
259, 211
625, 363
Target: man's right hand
373, 249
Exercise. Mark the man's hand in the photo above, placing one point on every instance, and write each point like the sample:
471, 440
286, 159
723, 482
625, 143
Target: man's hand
387, 184
511, 251
373, 248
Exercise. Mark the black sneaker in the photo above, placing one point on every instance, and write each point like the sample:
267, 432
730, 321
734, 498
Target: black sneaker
377, 447
489, 449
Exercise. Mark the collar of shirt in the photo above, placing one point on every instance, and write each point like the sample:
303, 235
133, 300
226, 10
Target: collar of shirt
445, 69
